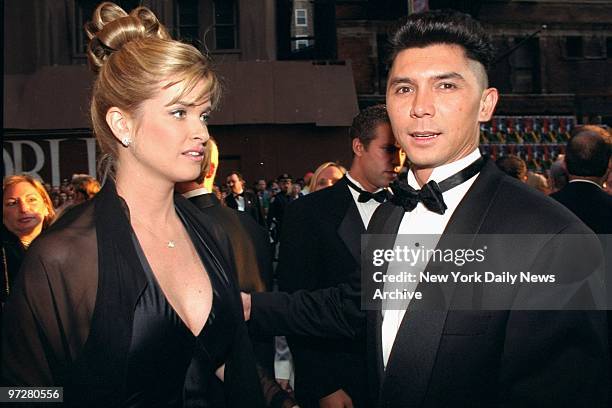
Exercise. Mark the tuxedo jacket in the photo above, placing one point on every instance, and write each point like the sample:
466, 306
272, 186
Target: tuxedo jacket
320, 246
482, 358
251, 206
590, 203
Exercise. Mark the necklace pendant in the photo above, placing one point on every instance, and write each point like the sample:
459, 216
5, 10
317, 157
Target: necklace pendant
171, 244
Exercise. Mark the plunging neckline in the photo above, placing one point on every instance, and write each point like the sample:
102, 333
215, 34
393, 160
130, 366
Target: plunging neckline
149, 271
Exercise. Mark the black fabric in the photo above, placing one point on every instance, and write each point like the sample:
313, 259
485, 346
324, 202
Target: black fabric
590, 203
69, 321
159, 331
471, 358
594, 207
250, 242
253, 259
317, 250
276, 213
251, 206
12, 256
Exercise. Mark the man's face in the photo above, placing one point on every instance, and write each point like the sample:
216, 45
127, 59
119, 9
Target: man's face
234, 184
382, 160
285, 185
261, 185
436, 98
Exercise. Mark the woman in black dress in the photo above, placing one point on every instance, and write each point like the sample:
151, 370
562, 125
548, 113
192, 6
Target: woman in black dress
126, 292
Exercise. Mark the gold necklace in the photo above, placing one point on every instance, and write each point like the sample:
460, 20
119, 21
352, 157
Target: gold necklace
170, 243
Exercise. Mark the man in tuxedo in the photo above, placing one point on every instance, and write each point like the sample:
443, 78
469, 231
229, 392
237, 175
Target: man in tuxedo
587, 159
278, 204
320, 248
241, 200
437, 95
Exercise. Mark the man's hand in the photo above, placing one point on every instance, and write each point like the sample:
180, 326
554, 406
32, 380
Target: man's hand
338, 399
246, 305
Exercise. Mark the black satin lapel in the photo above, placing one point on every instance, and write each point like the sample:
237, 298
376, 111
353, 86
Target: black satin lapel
350, 231
412, 358
385, 220
473, 209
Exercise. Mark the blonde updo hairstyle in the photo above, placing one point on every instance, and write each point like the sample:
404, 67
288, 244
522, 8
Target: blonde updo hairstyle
132, 55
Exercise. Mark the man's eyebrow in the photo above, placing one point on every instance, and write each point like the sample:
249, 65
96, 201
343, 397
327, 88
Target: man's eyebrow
449, 75
400, 80
443, 76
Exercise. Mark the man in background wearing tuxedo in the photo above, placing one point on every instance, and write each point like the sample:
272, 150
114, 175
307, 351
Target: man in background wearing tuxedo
241, 200
437, 96
320, 246
587, 159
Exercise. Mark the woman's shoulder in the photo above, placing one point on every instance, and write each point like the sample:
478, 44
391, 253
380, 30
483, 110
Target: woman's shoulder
72, 234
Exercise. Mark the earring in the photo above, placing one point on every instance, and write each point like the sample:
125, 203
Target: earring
126, 141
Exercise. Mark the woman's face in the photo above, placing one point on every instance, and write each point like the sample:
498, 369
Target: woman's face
170, 137
24, 209
328, 177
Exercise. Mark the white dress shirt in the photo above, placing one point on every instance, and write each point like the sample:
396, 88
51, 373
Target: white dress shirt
422, 221
366, 210
239, 202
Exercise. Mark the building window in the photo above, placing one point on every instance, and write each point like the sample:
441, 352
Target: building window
573, 47
525, 66
187, 27
301, 42
301, 17
594, 47
83, 12
225, 25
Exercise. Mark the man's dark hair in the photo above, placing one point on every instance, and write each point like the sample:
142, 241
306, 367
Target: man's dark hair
444, 27
588, 151
513, 166
237, 173
364, 124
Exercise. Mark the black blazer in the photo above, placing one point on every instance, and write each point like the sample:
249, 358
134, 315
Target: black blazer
320, 248
590, 203
251, 206
470, 358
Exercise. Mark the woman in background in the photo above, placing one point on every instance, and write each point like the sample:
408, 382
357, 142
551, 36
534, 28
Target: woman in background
26, 211
131, 288
325, 176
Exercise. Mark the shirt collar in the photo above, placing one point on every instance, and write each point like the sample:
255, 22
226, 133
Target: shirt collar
440, 173
196, 192
586, 181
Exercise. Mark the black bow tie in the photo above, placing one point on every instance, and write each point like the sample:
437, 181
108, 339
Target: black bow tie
239, 195
365, 196
431, 193
380, 196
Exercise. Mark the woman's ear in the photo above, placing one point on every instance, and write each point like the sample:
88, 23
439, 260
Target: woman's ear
120, 124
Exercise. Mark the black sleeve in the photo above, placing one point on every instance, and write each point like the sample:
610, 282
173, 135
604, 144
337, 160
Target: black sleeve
327, 313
